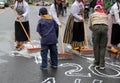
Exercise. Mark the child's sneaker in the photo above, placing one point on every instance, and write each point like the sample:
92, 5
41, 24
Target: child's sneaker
54, 67
43, 68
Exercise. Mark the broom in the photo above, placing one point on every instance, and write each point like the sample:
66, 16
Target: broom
32, 48
86, 49
63, 55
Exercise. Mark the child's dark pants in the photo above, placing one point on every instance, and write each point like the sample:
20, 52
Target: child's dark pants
53, 55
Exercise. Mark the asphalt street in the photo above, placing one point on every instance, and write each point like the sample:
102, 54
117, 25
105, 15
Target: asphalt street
24, 67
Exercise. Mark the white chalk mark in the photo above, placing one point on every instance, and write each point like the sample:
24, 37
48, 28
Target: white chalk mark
98, 73
95, 80
75, 71
49, 80
113, 65
77, 81
38, 59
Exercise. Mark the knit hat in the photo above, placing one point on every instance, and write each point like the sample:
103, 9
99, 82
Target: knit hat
43, 11
97, 7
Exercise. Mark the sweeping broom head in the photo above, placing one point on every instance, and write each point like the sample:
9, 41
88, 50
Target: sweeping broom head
65, 55
33, 49
86, 50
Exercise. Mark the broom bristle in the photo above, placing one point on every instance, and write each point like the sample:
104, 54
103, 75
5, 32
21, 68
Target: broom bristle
33, 50
86, 50
30, 49
65, 55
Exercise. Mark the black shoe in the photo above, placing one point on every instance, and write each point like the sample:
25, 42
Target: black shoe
53, 66
43, 68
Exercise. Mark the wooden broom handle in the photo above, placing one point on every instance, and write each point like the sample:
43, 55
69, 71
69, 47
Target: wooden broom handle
60, 18
86, 38
24, 29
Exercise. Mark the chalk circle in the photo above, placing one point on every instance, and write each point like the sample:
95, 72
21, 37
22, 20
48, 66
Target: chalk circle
105, 75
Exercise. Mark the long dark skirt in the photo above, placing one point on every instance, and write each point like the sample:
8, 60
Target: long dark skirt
78, 31
19, 32
115, 37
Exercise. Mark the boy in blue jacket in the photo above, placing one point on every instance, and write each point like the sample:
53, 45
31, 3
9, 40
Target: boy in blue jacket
47, 30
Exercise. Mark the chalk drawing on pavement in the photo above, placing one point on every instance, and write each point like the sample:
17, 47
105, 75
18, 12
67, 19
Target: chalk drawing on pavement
96, 80
75, 71
77, 81
98, 73
49, 80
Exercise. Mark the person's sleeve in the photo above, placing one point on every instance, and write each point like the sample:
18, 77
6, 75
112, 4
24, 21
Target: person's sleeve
90, 22
111, 11
82, 5
15, 5
26, 10
117, 15
38, 27
75, 14
55, 25
52, 12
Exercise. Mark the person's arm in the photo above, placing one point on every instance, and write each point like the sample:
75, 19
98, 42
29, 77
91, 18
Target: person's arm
15, 5
90, 22
52, 12
117, 15
74, 12
26, 7
39, 29
55, 25
14, 9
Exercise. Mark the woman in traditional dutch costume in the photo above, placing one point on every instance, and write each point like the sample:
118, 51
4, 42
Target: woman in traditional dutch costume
74, 32
115, 35
22, 9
